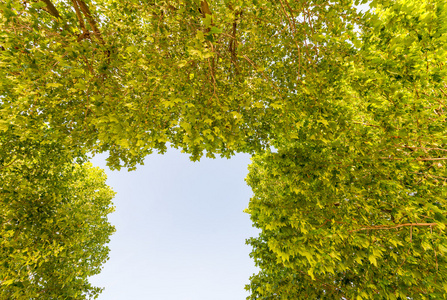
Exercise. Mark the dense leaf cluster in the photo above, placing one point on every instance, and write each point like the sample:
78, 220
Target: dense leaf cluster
343, 110
53, 226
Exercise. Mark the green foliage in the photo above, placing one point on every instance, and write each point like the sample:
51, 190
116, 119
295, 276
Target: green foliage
358, 231
352, 205
163, 76
53, 228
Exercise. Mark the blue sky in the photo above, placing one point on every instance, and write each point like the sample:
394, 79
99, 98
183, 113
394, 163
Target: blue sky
180, 230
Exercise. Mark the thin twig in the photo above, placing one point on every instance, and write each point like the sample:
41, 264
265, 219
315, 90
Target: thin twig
434, 176
5, 166
428, 149
418, 159
380, 227
367, 124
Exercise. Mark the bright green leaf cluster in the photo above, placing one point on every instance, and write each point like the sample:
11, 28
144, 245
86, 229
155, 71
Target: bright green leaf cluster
351, 204
53, 228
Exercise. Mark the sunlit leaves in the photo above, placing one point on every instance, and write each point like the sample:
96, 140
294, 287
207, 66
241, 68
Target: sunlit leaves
352, 205
53, 228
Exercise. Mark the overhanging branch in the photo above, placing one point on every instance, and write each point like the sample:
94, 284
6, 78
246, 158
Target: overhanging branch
205, 8
79, 15
51, 9
86, 11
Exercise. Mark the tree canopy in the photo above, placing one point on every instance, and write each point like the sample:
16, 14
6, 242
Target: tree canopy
343, 111
53, 227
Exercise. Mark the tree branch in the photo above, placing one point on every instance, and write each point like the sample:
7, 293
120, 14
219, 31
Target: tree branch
380, 227
79, 15
205, 8
418, 159
233, 41
5, 166
434, 176
51, 9
425, 149
85, 10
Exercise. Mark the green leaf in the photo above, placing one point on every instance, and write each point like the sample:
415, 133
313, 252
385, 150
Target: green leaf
8, 282
215, 30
